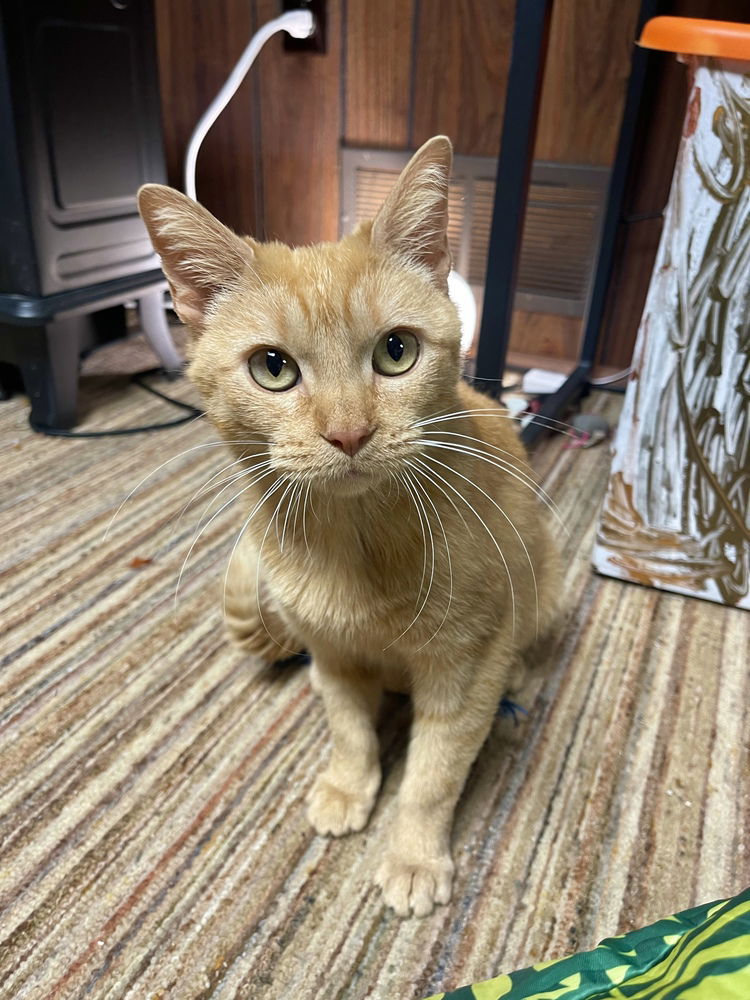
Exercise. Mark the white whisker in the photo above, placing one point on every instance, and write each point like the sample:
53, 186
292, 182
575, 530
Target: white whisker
230, 482
213, 517
398, 487
510, 522
424, 543
501, 464
491, 411
509, 456
418, 502
328, 508
304, 516
297, 502
267, 495
447, 497
211, 483
222, 486
391, 480
486, 528
271, 520
428, 498
312, 505
197, 447
296, 482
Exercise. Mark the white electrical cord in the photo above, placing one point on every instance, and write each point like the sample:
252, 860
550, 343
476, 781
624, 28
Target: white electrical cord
297, 23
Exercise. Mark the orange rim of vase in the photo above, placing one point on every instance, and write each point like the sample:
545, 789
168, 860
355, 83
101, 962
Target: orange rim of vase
696, 36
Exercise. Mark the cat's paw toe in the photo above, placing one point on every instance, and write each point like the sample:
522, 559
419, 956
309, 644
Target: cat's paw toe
334, 811
415, 886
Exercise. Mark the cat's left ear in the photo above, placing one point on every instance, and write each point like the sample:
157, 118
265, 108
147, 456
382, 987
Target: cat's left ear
413, 221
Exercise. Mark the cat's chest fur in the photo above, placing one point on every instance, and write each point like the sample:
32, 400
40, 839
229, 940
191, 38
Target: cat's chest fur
360, 574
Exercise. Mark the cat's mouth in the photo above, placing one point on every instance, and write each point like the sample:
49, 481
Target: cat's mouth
353, 475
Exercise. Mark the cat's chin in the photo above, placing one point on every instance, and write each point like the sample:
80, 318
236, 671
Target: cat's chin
352, 483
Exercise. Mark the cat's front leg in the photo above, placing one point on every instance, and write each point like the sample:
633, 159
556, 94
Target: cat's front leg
452, 718
342, 797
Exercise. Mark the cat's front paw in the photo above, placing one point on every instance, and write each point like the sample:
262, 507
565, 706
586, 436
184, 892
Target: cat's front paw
411, 886
333, 811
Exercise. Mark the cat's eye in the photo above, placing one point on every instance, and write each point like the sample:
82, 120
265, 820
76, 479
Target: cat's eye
395, 353
272, 369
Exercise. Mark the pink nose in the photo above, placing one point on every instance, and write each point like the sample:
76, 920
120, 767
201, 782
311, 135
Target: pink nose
349, 441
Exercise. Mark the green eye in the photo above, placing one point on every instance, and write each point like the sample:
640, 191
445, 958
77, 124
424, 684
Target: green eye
395, 353
273, 369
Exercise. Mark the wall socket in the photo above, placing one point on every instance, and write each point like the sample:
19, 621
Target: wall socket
318, 40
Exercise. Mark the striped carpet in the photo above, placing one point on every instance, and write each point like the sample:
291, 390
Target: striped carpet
153, 842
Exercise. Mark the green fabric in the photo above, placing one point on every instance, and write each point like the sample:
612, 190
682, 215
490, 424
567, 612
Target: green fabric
700, 954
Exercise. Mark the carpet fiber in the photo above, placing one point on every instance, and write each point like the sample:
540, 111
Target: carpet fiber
153, 840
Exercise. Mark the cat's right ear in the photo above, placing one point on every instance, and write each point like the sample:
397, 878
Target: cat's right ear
413, 221
199, 255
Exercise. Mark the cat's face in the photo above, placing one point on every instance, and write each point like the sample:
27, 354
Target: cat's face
330, 353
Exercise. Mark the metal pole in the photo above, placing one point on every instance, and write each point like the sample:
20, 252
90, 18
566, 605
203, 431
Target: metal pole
616, 190
528, 56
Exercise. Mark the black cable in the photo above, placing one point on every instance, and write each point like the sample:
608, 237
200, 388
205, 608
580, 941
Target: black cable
138, 379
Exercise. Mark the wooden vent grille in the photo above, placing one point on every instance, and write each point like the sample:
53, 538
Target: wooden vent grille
559, 239
560, 233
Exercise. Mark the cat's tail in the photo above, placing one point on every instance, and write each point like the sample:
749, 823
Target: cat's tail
549, 573
253, 621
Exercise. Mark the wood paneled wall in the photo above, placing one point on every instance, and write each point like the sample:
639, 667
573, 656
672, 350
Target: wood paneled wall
586, 75
297, 125
460, 70
396, 72
198, 43
377, 72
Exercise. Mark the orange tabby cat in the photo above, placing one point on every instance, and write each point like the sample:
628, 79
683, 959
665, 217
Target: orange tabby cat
392, 528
